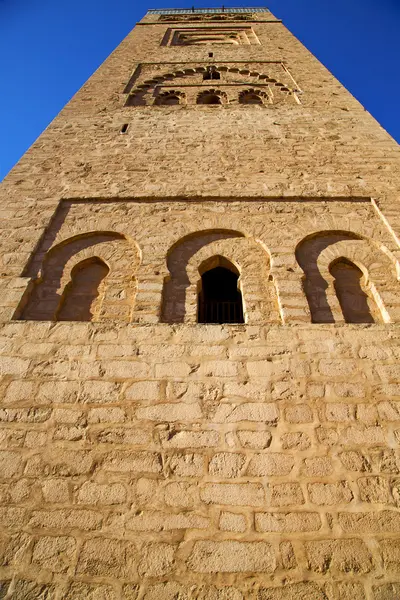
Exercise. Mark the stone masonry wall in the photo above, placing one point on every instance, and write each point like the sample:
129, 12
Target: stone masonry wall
200, 461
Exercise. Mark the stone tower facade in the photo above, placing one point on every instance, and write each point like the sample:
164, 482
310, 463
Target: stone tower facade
199, 307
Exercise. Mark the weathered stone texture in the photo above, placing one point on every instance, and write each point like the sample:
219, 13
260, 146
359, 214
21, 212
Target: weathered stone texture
144, 455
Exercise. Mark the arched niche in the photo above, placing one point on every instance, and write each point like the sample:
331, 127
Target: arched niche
246, 255
60, 270
318, 254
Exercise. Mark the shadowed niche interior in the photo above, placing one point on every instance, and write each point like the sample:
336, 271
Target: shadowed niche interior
80, 295
219, 299
353, 300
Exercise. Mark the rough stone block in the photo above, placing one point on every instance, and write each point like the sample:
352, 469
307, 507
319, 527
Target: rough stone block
107, 558
231, 557
258, 412
54, 553
347, 556
227, 464
235, 494
232, 522
263, 465
287, 522
330, 493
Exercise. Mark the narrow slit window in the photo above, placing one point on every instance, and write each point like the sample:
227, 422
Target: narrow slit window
124, 128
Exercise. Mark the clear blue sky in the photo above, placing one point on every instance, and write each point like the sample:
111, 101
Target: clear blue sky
49, 48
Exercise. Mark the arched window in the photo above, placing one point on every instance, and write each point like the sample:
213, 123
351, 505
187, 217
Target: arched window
211, 97
219, 299
252, 97
80, 294
353, 300
171, 98
211, 73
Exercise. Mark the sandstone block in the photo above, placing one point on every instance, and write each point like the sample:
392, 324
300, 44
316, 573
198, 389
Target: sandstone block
30, 590
263, 465
284, 494
330, 493
227, 464
105, 494
78, 591
219, 368
66, 519
186, 465
257, 440
287, 555
135, 462
347, 556
106, 415
252, 411
143, 391
168, 591
388, 591
390, 550
355, 461
299, 413
287, 522
337, 368
295, 439
361, 435
157, 560
160, 521
344, 590
231, 557
170, 412
339, 413
385, 521
107, 558
54, 553
232, 522
55, 490
172, 370
181, 493
317, 466
189, 439
295, 591
10, 464
235, 494
374, 489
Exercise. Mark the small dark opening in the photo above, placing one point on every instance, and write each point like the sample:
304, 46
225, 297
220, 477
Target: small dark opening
124, 127
211, 73
220, 301
209, 99
211, 54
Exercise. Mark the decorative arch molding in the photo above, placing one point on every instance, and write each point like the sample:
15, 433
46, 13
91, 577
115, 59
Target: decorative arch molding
188, 257
137, 94
120, 255
317, 253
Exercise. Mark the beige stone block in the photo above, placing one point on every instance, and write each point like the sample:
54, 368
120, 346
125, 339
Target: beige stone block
143, 391
390, 551
231, 557
168, 591
25, 590
344, 590
107, 558
66, 519
337, 368
227, 464
64, 462
374, 490
284, 494
317, 466
181, 494
178, 411
66, 415
297, 440
226, 593
126, 435
306, 590
229, 521
287, 522
132, 462
264, 465
10, 464
347, 556
189, 439
103, 494
383, 521
54, 553
101, 392
387, 591
330, 493
162, 521
130, 592
12, 365
288, 556
300, 413
78, 590
389, 411
259, 412
55, 490
11, 517
219, 368
20, 391
235, 494
186, 465
327, 437
339, 413
157, 560
256, 440
355, 461
124, 369
361, 435
106, 415
268, 368
172, 370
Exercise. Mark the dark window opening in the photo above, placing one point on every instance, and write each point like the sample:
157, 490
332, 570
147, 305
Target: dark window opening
219, 300
211, 54
211, 73
210, 98
124, 128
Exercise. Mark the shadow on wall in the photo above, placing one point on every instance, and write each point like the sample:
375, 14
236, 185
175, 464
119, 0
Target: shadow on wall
88, 277
346, 278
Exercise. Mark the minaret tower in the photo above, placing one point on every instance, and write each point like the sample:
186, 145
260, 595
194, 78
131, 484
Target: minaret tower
199, 325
